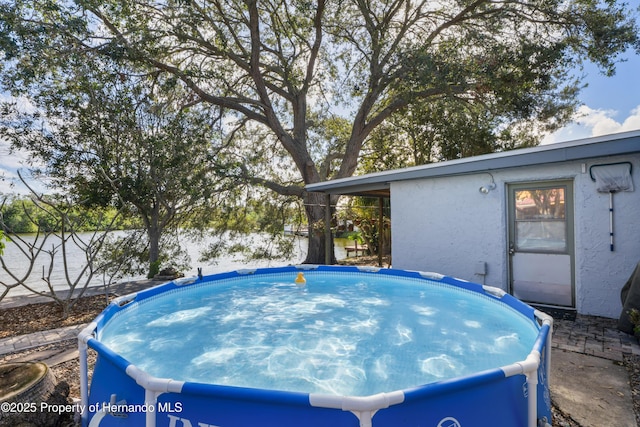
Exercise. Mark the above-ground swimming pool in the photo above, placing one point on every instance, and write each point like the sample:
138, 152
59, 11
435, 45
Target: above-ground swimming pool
317, 346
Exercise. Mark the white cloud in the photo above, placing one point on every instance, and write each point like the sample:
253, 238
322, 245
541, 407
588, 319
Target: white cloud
12, 161
11, 184
593, 122
602, 122
599, 121
633, 121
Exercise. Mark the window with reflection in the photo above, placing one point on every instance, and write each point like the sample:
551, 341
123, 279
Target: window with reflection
540, 220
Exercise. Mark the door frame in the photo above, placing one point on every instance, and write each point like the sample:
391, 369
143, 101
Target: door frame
568, 184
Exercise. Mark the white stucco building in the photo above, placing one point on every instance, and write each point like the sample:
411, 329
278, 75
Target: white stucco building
529, 221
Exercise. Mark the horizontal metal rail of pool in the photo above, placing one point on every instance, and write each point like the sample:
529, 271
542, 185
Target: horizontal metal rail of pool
364, 407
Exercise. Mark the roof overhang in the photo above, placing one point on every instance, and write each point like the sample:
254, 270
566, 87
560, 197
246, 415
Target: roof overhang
379, 184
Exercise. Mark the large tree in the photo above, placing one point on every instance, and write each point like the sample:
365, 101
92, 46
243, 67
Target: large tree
277, 66
110, 137
446, 129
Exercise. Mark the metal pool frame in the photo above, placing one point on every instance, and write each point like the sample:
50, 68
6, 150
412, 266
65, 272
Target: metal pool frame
121, 394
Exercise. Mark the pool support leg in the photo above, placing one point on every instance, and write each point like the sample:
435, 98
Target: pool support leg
532, 397
546, 320
153, 387
83, 338
528, 368
150, 399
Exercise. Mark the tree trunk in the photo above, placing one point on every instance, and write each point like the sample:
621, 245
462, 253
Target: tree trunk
153, 233
315, 210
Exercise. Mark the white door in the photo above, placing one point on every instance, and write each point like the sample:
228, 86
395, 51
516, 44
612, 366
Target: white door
541, 242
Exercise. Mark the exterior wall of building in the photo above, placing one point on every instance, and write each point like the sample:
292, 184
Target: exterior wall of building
447, 225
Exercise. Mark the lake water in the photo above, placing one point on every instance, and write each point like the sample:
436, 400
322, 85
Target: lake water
18, 263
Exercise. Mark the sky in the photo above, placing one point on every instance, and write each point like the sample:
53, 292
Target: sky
608, 105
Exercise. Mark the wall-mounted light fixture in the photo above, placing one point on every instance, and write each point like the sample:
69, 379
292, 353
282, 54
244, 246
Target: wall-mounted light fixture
486, 188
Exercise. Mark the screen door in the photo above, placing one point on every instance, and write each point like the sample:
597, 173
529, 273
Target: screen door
541, 242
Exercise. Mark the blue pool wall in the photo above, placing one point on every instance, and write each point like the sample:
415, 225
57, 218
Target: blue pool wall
488, 398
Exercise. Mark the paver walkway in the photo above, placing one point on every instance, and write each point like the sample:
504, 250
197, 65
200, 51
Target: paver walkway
594, 336
588, 379
36, 339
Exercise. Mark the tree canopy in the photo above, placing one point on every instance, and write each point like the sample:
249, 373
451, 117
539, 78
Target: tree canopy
109, 137
285, 69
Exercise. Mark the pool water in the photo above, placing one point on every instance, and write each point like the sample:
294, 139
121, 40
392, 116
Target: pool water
342, 334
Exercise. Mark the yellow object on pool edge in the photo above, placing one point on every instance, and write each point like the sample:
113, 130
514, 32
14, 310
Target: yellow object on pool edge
300, 280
